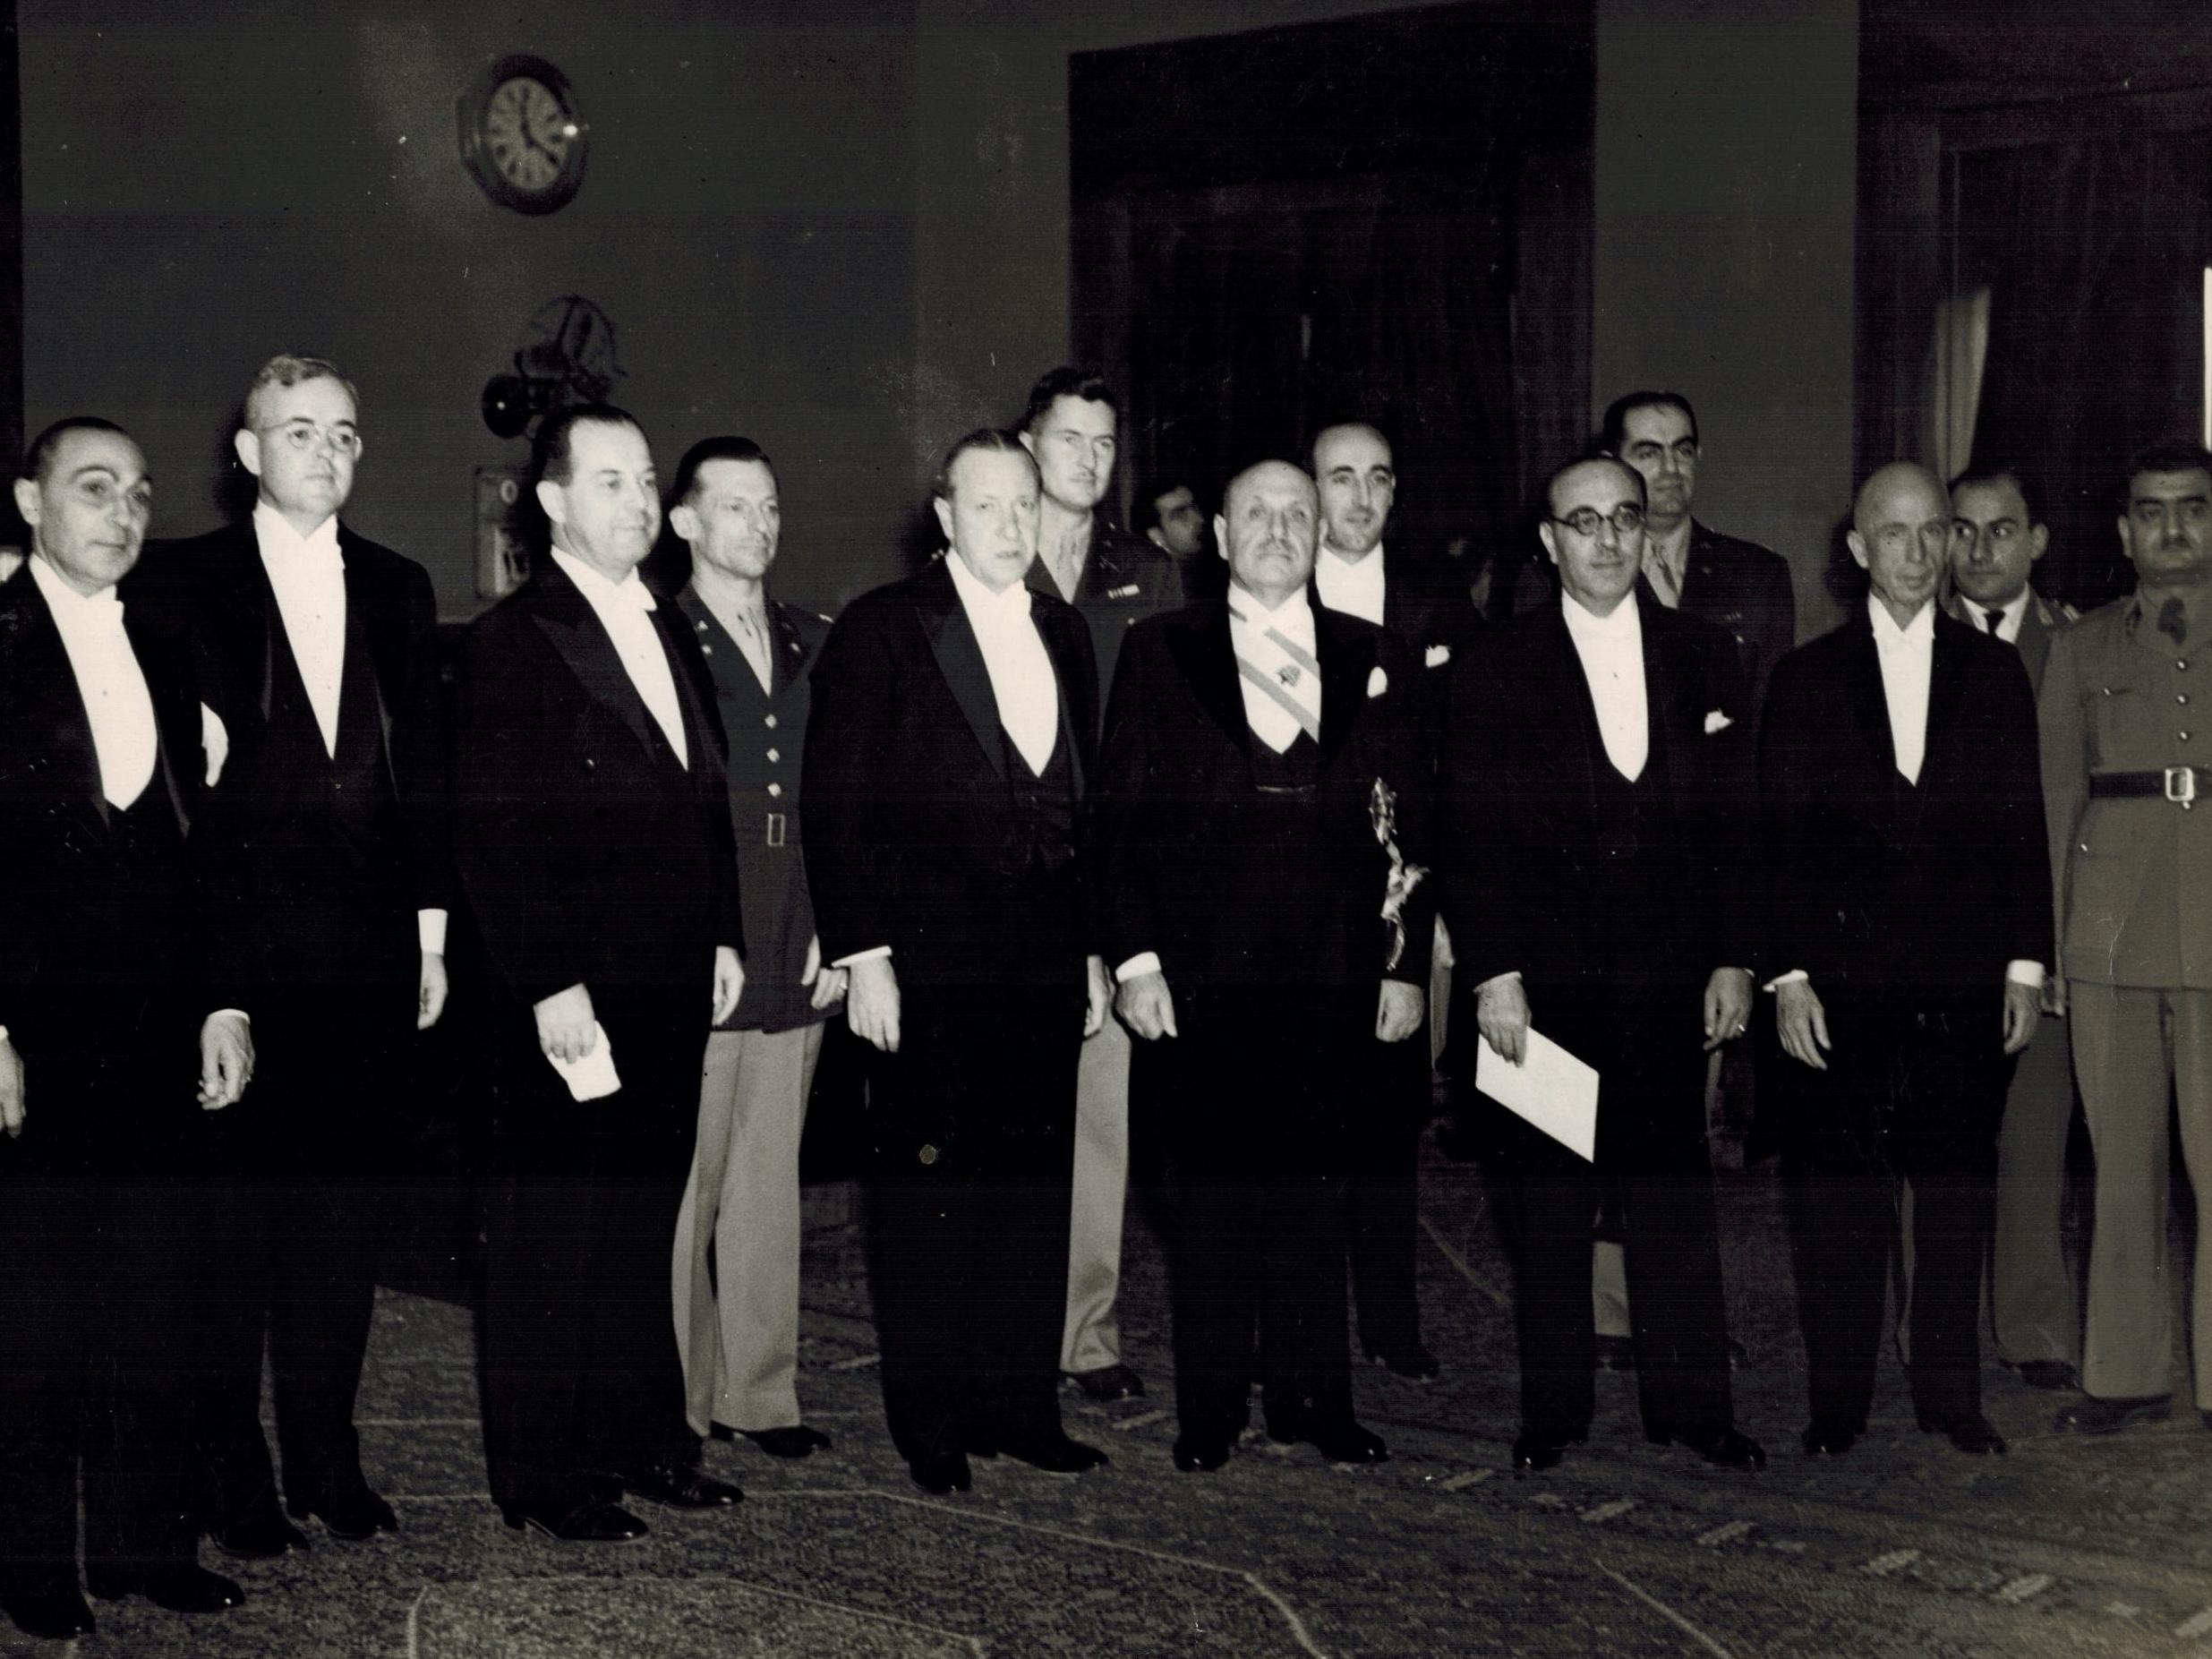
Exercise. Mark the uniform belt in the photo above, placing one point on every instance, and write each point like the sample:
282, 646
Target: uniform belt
777, 824
2179, 784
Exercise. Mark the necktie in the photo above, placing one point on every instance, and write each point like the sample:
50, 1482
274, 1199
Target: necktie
2173, 620
1664, 587
1991, 620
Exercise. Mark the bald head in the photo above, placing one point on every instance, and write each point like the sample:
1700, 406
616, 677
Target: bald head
1900, 536
1267, 530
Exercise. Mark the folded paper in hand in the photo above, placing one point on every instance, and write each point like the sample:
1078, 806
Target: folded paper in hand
593, 1077
1550, 1088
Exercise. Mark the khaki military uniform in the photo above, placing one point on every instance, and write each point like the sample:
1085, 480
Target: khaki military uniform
2127, 776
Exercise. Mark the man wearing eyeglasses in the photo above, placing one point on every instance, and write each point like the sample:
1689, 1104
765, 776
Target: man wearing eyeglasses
327, 795
1594, 774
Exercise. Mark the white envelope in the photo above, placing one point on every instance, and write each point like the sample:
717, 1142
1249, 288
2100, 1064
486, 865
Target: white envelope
1550, 1088
592, 1078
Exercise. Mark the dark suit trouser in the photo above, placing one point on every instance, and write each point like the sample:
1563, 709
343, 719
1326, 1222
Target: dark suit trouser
1382, 1191
582, 1376
1654, 1167
1910, 1091
301, 1192
1247, 1108
98, 1237
968, 1218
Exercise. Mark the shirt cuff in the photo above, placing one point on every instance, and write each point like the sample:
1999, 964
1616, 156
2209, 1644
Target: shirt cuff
868, 955
430, 928
2024, 972
1791, 978
241, 1013
1143, 961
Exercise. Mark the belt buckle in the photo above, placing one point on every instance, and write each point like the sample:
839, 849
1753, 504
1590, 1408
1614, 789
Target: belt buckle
776, 821
2181, 784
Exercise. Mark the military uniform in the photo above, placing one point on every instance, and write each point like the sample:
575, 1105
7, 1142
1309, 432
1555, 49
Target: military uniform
2126, 757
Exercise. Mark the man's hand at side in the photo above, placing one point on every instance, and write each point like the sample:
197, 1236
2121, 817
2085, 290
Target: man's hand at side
1728, 1005
872, 1003
429, 999
1501, 1015
1804, 1022
11, 1089
566, 1024
1146, 1005
828, 983
2023, 1006
1398, 1011
729, 982
226, 1059
1098, 995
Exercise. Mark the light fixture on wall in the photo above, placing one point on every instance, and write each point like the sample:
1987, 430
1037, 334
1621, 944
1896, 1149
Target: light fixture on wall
568, 359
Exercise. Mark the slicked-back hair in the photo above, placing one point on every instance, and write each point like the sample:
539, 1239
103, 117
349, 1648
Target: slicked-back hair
289, 369
549, 450
1068, 381
1626, 471
1613, 431
2179, 456
40, 457
1351, 423
1149, 511
728, 448
992, 440
1996, 472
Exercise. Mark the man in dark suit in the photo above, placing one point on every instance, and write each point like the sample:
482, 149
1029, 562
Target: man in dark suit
736, 1325
950, 743
2033, 1304
327, 768
1114, 580
1257, 753
1910, 914
1175, 522
103, 983
1593, 778
1426, 605
594, 834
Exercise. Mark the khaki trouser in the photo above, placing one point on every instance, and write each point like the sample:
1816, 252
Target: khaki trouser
1090, 1338
737, 1331
2032, 1298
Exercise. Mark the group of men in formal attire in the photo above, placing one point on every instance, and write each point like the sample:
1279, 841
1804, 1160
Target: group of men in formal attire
1107, 882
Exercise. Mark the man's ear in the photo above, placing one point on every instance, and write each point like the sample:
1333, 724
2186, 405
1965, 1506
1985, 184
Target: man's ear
684, 519
27, 501
1858, 544
1550, 541
1029, 443
1221, 534
2038, 541
549, 502
944, 514
247, 442
1154, 536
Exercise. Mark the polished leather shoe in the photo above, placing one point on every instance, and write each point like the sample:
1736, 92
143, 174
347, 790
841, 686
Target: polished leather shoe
1194, 1455
49, 1606
1338, 1440
943, 1473
1057, 1455
1617, 1354
1830, 1439
796, 1441
1534, 1453
2092, 1415
262, 1536
2047, 1373
1729, 1448
593, 1521
1969, 1431
1109, 1383
679, 1486
181, 1588
353, 1516
1410, 1361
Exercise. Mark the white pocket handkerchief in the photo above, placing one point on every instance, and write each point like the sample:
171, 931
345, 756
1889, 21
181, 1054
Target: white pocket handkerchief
214, 742
1436, 656
1378, 682
1717, 722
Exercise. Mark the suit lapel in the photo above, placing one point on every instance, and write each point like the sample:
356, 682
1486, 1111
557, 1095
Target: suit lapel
1563, 664
38, 666
1869, 706
1347, 654
1199, 643
960, 659
174, 724
566, 618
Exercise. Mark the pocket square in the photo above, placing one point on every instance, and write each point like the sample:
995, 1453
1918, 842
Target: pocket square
1378, 682
1717, 722
1436, 656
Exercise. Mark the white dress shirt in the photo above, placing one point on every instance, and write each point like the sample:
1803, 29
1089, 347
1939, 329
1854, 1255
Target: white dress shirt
1353, 586
108, 679
624, 610
1022, 683
2010, 615
308, 574
1611, 649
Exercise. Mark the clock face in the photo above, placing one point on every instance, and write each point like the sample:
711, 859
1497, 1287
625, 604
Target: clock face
528, 131
522, 135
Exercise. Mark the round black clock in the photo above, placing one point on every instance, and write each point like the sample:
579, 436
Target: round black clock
523, 137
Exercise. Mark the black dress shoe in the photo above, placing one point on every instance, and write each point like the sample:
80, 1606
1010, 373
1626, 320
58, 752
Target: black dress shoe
1534, 1451
353, 1516
49, 1606
2048, 1373
1109, 1383
1055, 1455
1197, 1455
1827, 1439
1339, 1440
679, 1486
1969, 1431
1617, 1354
796, 1441
1728, 1448
1409, 1360
593, 1521
941, 1473
2092, 1415
261, 1536
181, 1588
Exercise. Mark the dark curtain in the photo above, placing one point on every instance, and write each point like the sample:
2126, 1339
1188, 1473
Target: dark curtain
2094, 251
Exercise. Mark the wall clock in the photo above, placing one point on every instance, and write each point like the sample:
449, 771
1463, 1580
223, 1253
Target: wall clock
523, 137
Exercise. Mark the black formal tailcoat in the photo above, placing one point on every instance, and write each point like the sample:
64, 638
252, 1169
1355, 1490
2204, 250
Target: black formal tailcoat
1181, 824
589, 855
1528, 847
1877, 887
1744, 588
913, 837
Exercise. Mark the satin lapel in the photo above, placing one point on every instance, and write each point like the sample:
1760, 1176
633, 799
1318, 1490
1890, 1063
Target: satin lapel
173, 739
40, 660
1563, 664
1199, 643
375, 622
1059, 627
1347, 656
566, 618
1946, 686
1869, 706
960, 659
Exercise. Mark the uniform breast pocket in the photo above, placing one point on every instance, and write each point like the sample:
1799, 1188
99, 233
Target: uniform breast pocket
2114, 717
